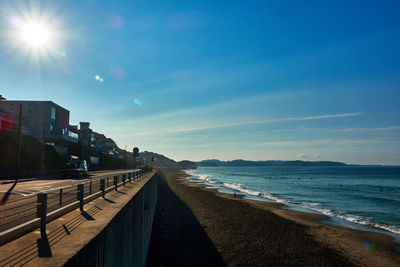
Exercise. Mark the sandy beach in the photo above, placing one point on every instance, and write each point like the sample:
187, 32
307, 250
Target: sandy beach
195, 226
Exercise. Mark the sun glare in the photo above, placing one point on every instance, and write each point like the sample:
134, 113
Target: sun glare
35, 34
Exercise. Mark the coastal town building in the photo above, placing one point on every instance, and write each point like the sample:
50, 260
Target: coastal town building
48, 123
7, 121
73, 133
44, 120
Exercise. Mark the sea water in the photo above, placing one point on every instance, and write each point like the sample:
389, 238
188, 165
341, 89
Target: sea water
364, 196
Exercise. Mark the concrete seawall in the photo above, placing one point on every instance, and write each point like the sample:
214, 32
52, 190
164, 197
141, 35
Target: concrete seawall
125, 240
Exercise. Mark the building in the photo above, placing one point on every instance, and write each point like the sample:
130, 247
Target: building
7, 121
49, 123
99, 143
73, 134
84, 126
110, 147
86, 134
43, 120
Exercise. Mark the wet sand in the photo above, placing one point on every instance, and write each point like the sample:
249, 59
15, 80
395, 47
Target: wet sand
195, 226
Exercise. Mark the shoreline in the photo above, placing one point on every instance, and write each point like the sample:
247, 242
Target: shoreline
287, 205
289, 237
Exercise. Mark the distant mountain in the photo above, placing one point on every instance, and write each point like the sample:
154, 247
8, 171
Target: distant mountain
160, 161
243, 163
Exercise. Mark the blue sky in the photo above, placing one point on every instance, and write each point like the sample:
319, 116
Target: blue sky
259, 80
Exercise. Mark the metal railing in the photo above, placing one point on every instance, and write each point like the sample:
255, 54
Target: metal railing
38, 205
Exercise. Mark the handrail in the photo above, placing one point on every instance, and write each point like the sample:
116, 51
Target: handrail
66, 201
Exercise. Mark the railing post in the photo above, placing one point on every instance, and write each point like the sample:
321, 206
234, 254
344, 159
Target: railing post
41, 212
116, 182
90, 187
60, 200
79, 196
123, 179
129, 177
108, 184
102, 187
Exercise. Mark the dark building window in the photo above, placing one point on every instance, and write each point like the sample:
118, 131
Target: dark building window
53, 113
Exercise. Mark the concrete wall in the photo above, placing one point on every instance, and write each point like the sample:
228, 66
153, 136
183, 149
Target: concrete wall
125, 240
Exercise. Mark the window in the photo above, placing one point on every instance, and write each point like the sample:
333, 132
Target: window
73, 135
53, 113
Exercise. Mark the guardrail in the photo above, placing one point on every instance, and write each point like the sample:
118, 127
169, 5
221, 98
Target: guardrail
37, 207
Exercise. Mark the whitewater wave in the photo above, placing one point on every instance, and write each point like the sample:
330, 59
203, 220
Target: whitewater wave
306, 205
202, 177
365, 221
207, 179
350, 217
241, 188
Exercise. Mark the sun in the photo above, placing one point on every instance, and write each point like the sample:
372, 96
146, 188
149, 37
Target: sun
36, 34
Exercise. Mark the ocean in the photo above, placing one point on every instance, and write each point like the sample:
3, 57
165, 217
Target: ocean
361, 197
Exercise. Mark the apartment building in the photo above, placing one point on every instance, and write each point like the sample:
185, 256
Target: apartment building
43, 120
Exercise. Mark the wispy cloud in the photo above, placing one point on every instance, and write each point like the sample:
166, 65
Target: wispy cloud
134, 134
302, 155
305, 155
320, 142
319, 117
202, 145
377, 129
349, 130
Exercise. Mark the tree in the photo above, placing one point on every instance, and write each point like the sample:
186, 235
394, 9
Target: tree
135, 152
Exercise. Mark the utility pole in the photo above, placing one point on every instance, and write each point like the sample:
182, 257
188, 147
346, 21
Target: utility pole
42, 167
19, 143
82, 137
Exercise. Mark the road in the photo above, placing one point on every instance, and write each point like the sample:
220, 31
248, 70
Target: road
28, 187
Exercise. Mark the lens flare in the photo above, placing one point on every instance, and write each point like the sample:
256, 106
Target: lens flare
99, 78
115, 22
368, 245
15, 21
137, 102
